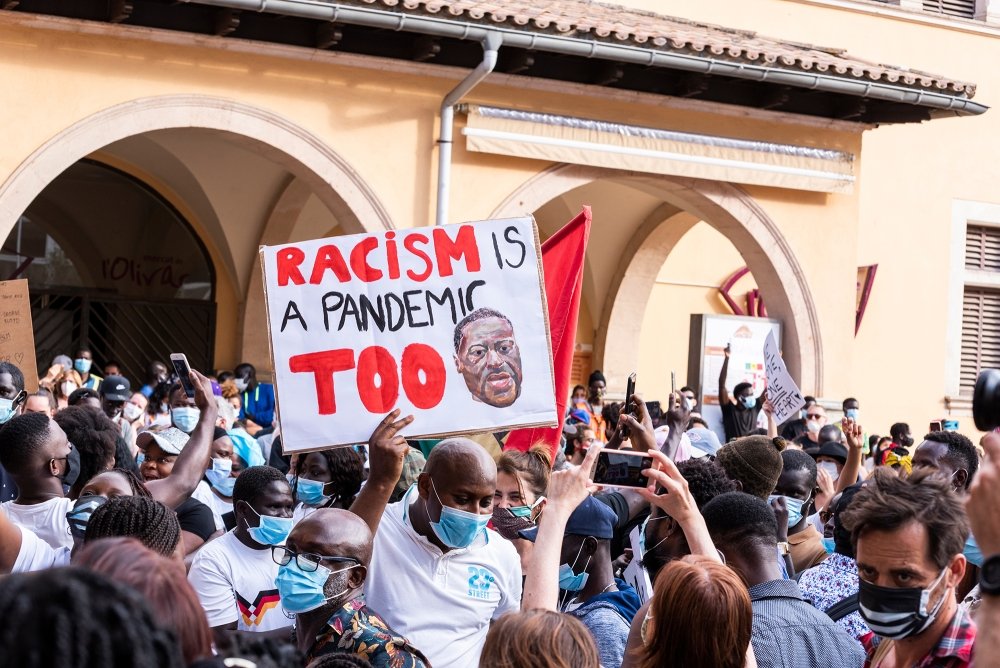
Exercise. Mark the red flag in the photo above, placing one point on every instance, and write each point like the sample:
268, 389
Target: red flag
562, 261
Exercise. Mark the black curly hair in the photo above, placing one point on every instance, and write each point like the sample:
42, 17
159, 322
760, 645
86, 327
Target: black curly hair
737, 521
339, 660
16, 375
140, 517
80, 394
961, 453
94, 435
252, 482
347, 472
74, 618
706, 479
21, 442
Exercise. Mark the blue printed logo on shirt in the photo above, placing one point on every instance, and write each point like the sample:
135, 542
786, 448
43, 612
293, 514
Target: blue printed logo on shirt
480, 580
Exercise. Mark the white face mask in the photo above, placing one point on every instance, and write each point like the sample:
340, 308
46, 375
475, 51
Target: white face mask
830, 468
68, 388
131, 412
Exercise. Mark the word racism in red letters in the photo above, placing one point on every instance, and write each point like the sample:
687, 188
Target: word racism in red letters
434, 253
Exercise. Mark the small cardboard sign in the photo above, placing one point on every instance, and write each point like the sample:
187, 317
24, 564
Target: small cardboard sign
449, 324
782, 391
17, 339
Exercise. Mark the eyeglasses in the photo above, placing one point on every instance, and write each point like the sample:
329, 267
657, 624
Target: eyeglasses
814, 416
306, 561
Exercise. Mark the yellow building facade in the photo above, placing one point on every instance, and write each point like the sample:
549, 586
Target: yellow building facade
149, 153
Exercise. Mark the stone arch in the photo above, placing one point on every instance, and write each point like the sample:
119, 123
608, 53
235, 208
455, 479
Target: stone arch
315, 167
724, 206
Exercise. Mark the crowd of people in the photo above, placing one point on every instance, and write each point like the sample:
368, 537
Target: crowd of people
166, 527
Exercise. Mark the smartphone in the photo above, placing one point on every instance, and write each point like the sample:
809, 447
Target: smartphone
937, 425
619, 468
629, 391
183, 371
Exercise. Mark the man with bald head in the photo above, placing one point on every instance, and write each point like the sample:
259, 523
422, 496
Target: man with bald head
324, 564
438, 575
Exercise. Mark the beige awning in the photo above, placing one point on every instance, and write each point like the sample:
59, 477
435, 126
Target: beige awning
586, 142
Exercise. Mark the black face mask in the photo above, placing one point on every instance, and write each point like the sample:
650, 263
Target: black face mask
898, 613
72, 467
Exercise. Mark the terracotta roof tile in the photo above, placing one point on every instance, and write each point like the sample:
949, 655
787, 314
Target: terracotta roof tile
612, 23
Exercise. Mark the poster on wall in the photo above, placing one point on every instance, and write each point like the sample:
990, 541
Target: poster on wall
448, 324
710, 334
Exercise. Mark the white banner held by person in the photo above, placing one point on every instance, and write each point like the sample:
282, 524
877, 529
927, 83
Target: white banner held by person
782, 391
449, 324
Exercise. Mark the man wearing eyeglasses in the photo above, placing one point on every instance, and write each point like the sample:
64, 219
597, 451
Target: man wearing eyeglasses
815, 421
324, 565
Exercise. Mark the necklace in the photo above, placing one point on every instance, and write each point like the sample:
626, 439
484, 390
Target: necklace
608, 587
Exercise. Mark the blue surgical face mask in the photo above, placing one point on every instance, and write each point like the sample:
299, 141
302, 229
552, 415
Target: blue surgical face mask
830, 545
82, 365
972, 552
271, 531
185, 418
220, 476
310, 492
794, 508
852, 413
570, 580
302, 591
749, 402
6, 410
457, 528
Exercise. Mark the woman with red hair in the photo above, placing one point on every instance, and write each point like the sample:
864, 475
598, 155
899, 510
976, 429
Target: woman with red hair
161, 581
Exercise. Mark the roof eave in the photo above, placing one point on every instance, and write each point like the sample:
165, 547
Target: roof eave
937, 103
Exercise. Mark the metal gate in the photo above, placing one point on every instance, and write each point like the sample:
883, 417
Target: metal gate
129, 332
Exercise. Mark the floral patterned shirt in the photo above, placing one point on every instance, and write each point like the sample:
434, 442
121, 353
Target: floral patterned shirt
831, 581
354, 629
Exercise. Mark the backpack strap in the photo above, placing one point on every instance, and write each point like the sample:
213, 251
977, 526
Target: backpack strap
843, 607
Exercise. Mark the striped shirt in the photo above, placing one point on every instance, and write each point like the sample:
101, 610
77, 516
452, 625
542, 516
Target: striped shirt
789, 633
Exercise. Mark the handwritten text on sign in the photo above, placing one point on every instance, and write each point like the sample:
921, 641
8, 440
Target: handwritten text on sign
782, 391
446, 323
17, 339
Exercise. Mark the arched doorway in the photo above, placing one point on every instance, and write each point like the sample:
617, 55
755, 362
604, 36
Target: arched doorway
623, 264
113, 266
224, 166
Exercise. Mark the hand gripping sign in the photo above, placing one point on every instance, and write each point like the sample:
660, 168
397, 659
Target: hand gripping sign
447, 323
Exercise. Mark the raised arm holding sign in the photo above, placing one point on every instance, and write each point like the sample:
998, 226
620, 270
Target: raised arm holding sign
782, 392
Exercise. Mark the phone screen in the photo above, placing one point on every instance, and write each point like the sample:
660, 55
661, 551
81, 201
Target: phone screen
620, 469
183, 372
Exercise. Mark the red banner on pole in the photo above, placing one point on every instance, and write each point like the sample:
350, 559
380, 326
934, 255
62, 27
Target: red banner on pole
563, 257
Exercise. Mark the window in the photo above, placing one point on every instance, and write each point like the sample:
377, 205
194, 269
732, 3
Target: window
961, 8
980, 335
980, 305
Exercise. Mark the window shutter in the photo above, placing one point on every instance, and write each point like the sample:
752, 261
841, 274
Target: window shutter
980, 335
982, 248
965, 9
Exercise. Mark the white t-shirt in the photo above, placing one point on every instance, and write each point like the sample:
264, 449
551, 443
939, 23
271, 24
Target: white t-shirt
443, 603
218, 505
37, 555
301, 512
47, 520
236, 584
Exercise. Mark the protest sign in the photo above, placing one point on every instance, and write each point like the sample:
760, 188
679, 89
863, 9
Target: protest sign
448, 324
635, 574
17, 340
782, 391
